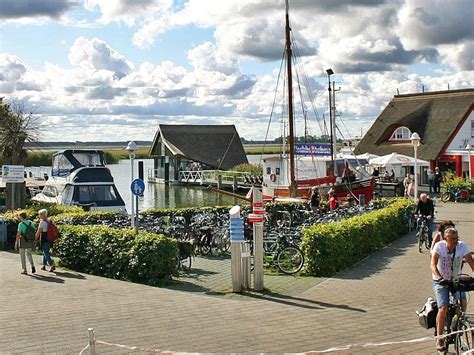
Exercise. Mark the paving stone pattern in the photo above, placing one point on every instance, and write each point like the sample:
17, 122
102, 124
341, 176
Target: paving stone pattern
375, 301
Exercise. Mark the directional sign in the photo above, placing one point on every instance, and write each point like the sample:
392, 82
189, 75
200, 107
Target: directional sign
237, 230
137, 187
13, 173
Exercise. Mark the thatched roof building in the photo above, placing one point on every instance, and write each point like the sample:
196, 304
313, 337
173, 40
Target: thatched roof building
443, 119
217, 147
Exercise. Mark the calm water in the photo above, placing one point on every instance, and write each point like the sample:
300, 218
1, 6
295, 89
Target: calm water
161, 195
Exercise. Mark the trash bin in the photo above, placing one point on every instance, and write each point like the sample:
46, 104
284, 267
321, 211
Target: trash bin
3, 233
362, 200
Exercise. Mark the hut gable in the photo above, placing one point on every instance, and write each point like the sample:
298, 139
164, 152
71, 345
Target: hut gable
213, 145
435, 116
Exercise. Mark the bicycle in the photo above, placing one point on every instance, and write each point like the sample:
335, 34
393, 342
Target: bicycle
455, 194
456, 320
184, 257
280, 251
422, 234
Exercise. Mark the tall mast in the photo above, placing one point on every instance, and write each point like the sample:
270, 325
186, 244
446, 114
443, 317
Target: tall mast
290, 102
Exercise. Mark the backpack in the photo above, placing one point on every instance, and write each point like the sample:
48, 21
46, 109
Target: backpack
30, 232
53, 233
427, 314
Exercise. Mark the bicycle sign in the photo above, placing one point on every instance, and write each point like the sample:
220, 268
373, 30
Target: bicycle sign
137, 187
236, 230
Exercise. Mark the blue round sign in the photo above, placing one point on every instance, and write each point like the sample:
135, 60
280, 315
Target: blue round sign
137, 187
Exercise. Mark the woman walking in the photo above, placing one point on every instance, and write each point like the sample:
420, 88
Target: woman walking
25, 241
42, 235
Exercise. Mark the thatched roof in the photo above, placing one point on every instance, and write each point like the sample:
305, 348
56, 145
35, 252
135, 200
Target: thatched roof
216, 146
435, 116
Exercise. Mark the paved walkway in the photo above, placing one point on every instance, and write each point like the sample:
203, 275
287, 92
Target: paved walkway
374, 301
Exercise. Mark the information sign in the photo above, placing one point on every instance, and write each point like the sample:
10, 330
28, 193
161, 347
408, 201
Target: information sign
13, 173
237, 230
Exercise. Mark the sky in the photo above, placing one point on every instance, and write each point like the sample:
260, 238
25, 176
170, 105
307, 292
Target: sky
112, 70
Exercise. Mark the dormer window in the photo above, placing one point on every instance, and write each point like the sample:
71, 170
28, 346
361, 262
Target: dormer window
401, 134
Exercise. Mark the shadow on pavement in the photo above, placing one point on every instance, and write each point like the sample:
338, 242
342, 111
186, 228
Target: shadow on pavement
48, 278
378, 261
196, 273
299, 302
69, 275
187, 287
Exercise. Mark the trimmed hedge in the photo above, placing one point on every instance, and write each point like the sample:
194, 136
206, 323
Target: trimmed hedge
333, 247
118, 253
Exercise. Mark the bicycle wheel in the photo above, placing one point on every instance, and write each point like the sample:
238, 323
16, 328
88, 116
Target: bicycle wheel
420, 240
186, 263
445, 197
290, 260
463, 341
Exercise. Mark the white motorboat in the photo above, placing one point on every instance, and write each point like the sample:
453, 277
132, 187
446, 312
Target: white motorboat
80, 177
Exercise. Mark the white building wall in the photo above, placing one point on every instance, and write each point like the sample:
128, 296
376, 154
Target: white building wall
463, 137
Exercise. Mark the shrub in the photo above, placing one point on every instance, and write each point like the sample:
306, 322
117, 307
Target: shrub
450, 180
118, 253
333, 247
253, 169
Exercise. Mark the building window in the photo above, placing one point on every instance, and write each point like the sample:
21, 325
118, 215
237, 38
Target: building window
401, 134
269, 170
472, 128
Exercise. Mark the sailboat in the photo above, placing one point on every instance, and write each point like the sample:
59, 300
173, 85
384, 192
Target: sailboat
295, 176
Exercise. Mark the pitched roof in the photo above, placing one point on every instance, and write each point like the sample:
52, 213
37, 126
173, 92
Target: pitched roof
435, 116
216, 146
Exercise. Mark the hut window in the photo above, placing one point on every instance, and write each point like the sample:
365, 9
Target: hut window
269, 170
401, 134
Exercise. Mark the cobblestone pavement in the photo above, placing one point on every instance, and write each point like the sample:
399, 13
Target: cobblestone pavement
374, 301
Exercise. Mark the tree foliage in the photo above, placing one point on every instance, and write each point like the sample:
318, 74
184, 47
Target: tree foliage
17, 126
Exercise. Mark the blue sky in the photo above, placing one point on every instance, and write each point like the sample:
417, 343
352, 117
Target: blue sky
113, 69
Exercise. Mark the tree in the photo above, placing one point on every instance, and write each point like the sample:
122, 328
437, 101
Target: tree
17, 126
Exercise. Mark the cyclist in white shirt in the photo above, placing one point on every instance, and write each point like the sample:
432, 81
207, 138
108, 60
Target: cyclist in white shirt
446, 261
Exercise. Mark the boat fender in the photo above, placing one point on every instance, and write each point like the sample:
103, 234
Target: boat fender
273, 177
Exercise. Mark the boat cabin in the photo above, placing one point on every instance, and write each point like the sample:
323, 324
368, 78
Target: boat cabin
67, 161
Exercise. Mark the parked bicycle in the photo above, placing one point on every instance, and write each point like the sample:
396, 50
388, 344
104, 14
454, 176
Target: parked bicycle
455, 194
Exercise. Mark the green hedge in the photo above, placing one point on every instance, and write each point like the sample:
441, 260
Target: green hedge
119, 254
333, 247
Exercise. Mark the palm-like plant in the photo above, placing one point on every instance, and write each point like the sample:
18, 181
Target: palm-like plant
17, 127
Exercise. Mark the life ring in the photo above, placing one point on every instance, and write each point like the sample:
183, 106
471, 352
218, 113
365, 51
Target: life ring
273, 177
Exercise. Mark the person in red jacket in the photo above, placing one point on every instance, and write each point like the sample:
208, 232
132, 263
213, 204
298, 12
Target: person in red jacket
332, 200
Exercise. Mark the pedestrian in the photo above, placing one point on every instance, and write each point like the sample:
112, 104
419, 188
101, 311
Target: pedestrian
425, 208
315, 200
376, 172
439, 236
446, 261
431, 177
42, 236
407, 185
438, 177
333, 204
25, 241
392, 175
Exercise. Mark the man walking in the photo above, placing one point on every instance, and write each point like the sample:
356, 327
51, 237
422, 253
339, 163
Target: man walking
438, 177
25, 241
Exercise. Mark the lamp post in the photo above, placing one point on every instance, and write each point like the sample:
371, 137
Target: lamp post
469, 147
331, 122
415, 142
131, 148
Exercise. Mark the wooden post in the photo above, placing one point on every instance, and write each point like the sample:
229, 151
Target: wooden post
15, 197
234, 183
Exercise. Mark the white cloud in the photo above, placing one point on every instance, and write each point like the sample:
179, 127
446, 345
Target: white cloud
12, 70
97, 54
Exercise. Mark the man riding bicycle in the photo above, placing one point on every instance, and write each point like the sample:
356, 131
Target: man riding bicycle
425, 207
446, 261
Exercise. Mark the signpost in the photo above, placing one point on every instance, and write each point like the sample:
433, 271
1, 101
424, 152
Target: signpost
236, 238
257, 219
14, 177
137, 187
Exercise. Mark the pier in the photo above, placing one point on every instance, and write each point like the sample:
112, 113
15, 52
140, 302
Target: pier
216, 178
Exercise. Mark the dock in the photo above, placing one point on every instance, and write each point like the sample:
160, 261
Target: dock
216, 178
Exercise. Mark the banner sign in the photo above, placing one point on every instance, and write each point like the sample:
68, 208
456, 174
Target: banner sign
313, 149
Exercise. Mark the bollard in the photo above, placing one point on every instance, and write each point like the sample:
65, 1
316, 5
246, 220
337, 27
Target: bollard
235, 253
258, 213
361, 200
91, 341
